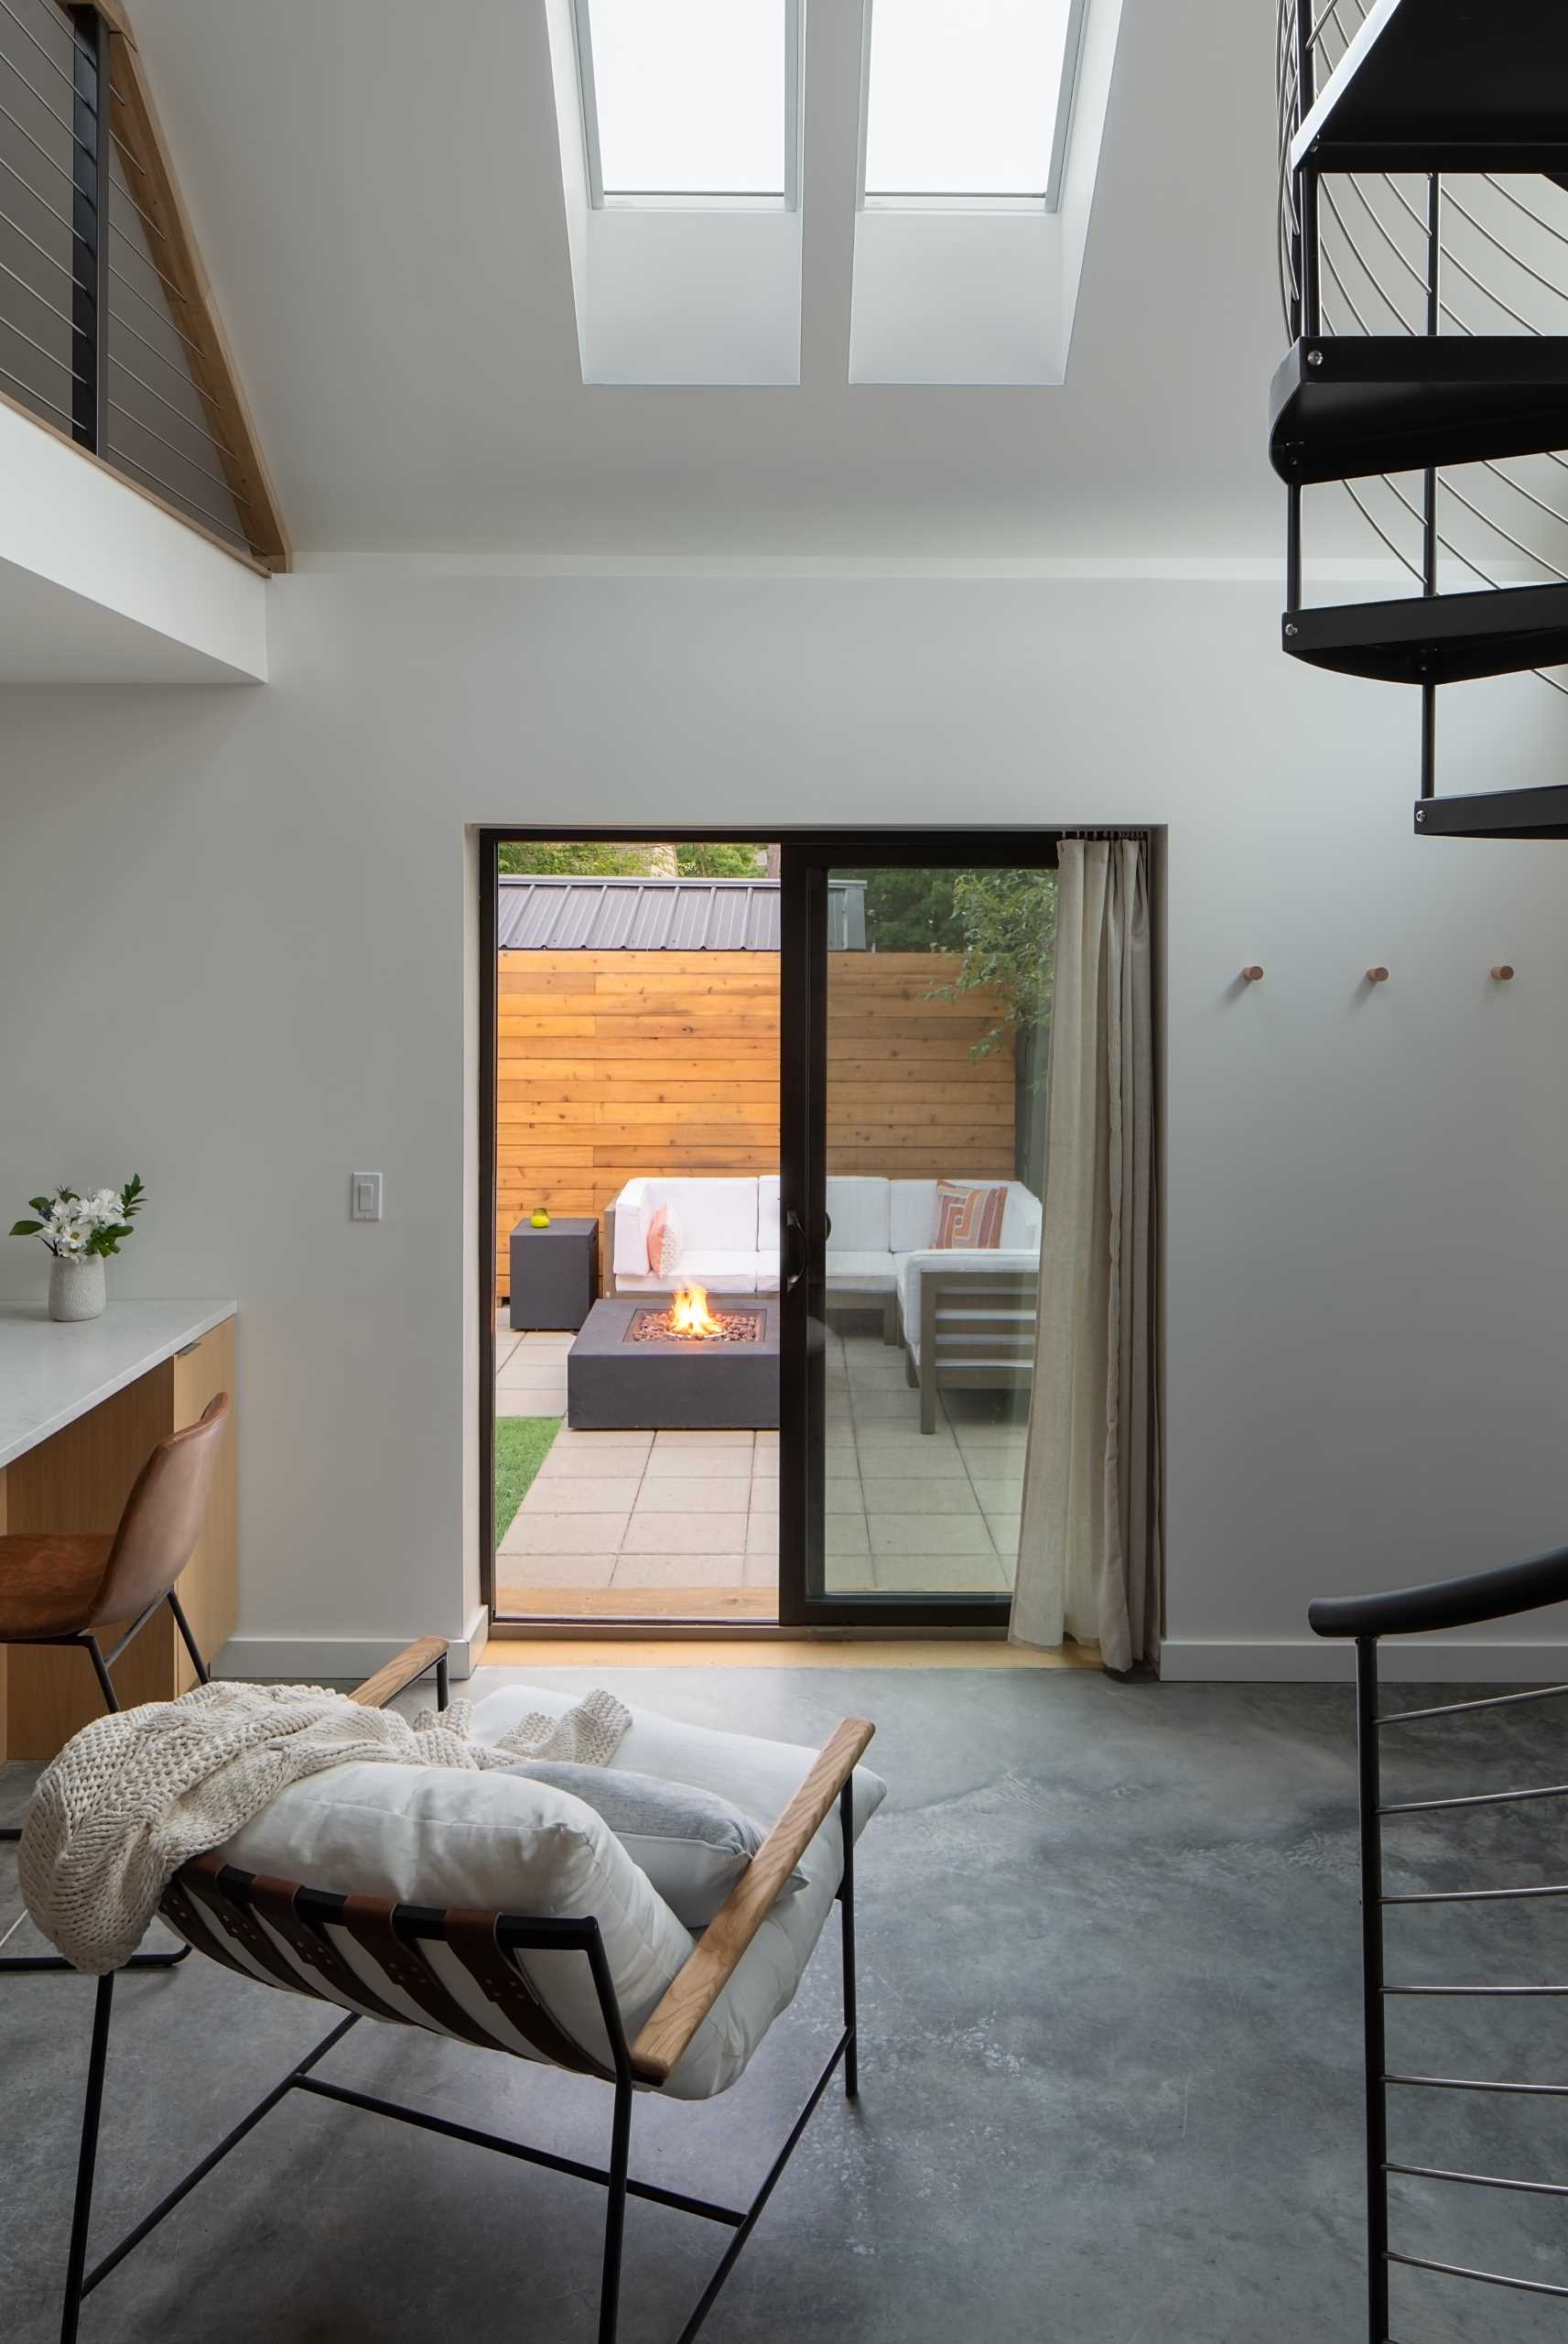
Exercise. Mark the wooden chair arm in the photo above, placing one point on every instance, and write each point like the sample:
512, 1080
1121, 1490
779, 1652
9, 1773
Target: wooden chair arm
709, 1967
424, 1653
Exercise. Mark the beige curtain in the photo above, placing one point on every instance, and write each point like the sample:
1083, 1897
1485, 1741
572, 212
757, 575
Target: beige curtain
1089, 1561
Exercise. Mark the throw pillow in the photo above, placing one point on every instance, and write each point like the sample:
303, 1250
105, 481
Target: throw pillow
663, 1243
968, 1218
692, 1844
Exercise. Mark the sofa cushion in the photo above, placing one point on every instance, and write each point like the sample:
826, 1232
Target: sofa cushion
858, 1208
769, 1234
491, 1841
872, 1272
912, 1215
631, 1212
908, 1270
692, 1844
760, 1777
712, 1213
720, 1272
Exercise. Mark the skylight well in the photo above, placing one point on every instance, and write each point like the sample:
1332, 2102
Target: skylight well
968, 102
691, 103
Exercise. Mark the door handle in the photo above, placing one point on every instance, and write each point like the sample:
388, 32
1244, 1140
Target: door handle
797, 1251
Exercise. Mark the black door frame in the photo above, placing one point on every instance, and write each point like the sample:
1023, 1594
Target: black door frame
803, 1097
807, 857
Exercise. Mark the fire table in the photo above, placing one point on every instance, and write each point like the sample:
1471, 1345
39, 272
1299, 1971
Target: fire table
628, 1372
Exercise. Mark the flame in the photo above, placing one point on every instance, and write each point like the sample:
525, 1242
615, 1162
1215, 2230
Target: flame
689, 1313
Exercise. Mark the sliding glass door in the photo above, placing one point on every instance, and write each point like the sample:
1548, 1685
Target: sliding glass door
916, 986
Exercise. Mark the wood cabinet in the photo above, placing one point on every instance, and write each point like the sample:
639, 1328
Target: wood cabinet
78, 1480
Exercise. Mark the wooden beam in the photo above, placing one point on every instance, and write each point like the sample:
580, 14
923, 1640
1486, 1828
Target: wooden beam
148, 495
402, 1670
207, 349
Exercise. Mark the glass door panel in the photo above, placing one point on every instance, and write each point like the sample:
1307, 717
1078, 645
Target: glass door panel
922, 1203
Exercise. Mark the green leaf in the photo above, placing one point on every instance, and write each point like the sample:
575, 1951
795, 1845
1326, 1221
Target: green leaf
40, 1204
26, 1228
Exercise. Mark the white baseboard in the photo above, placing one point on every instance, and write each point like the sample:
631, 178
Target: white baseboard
338, 1659
1313, 1660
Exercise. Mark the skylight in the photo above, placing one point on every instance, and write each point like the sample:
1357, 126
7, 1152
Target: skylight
967, 100
691, 101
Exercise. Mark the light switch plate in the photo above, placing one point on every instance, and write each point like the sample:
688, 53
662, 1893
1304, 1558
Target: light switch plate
365, 1195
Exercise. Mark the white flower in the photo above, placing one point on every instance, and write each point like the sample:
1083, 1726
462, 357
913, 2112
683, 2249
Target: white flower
105, 1206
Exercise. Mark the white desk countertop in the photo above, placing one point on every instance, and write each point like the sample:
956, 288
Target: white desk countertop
49, 1375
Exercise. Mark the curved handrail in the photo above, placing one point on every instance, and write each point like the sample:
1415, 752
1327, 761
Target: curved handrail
1447, 1602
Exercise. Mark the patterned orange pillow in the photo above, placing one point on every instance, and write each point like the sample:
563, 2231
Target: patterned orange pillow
969, 1218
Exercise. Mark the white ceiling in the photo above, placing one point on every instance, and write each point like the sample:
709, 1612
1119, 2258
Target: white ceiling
376, 189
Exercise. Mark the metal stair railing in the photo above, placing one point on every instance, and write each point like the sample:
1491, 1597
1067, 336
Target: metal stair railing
1451, 1603
1379, 253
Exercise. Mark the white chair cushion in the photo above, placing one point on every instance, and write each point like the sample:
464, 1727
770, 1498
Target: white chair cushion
858, 1211
907, 1269
760, 1777
494, 1841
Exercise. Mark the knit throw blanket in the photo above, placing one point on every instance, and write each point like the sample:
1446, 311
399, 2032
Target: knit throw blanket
134, 1796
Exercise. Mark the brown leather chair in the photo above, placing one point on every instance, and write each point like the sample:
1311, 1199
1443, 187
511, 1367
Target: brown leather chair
59, 1589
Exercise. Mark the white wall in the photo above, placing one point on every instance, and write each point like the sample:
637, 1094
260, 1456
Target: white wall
98, 583
233, 933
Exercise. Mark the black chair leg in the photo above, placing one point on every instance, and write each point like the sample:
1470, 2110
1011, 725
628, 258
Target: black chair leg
87, 2160
204, 1673
847, 1920
615, 2212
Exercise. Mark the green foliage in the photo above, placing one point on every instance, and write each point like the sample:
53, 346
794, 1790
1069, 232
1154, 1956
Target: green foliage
1007, 923
909, 911
725, 859
590, 858
599, 859
522, 1445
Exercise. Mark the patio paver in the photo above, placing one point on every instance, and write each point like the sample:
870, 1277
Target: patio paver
613, 1514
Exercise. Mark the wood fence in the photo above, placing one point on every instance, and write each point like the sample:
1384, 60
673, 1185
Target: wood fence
616, 1064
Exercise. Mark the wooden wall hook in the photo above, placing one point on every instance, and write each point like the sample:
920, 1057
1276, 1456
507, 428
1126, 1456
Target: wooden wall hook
1252, 973
1377, 976
1503, 972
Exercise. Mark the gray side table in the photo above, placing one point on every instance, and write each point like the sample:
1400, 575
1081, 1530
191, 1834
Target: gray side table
555, 1273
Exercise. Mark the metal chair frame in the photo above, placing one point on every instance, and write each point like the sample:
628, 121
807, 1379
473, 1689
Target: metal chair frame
514, 1933
102, 1662
1453, 1603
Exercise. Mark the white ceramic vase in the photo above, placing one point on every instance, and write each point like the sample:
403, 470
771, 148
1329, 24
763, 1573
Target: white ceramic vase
76, 1286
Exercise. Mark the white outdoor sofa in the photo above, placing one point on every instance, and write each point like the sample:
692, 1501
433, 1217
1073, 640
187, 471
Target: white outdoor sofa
966, 1317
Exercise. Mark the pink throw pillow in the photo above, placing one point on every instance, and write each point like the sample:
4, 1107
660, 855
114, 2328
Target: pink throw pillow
968, 1218
663, 1243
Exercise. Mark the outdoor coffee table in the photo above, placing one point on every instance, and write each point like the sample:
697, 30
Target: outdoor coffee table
626, 1377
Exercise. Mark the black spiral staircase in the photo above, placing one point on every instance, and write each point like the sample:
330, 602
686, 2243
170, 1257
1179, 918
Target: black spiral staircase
1407, 128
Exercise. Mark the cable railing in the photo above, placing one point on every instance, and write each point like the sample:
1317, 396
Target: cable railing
98, 335
1472, 253
1516, 1589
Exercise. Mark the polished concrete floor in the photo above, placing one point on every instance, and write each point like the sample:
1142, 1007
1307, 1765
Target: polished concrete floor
1111, 2069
